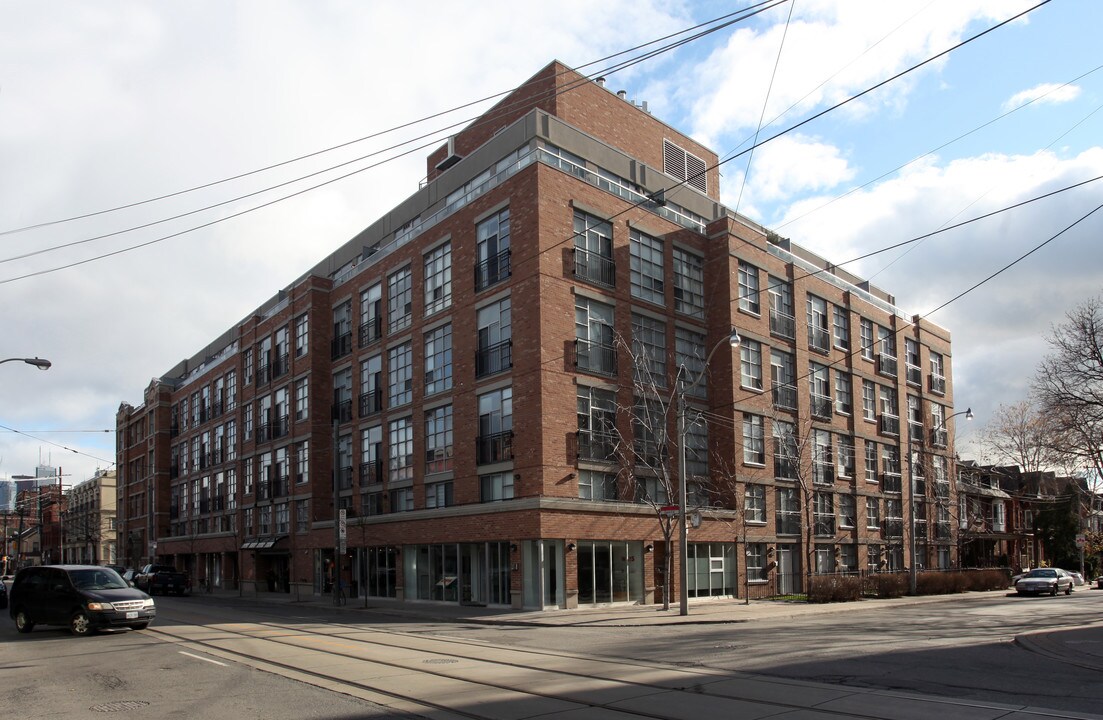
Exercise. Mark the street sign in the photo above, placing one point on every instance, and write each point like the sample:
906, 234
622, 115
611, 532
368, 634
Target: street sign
669, 510
342, 527
1081, 540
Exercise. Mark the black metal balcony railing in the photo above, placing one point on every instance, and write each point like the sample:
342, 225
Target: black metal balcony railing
912, 374
494, 358
887, 365
218, 407
371, 330
594, 267
821, 406
785, 397
273, 430
342, 411
174, 471
601, 447
204, 506
492, 270
938, 384
264, 374
819, 340
281, 486
890, 424
371, 402
496, 447
344, 477
280, 366
595, 357
371, 472
340, 346
783, 325
174, 429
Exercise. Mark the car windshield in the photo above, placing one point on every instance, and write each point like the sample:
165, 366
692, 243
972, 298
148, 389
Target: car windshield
99, 579
1041, 574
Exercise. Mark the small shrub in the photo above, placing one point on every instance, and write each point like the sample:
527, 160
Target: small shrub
939, 583
987, 579
885, 585
834, 588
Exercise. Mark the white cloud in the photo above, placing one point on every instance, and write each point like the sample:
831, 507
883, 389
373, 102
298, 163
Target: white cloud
1046, 93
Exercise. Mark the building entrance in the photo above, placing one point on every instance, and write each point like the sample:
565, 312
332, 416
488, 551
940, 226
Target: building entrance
609, 572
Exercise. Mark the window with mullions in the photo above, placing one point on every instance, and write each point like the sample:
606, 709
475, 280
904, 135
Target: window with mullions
438, 279
841, 328
649, 347
496, 487
872, 455
494, 442
399, 300
594, 348
689, 283
748, 288
492, 251
750, 361
438, 360
787, 512
689, 354
495, 337
401, 445
438, 439
400, 371
597, 416
371, 456
371, 314
869, 400
782, 313
696, 445
817, 324
754, 439
844, 446
848, 511
754, 503
865, 327
593, 250
647, 278
302, 334
438, 495
844, 400
597, 486
873, 513
342, 332
756, 563
783, 374
712, 570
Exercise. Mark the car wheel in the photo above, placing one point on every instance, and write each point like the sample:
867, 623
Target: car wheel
1053, 592
80, 624
139, 626
23, 623
1068, 590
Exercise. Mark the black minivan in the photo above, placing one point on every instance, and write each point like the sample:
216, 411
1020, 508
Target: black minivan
83, 597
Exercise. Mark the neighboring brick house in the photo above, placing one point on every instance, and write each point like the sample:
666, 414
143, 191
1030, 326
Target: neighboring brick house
460, 379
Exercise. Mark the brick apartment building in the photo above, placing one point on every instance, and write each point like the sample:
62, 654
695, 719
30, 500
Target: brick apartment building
486, 380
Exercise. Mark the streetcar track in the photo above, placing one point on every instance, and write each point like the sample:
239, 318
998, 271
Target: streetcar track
699, 678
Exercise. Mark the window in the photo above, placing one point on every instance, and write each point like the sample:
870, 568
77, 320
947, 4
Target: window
844, 401
866, 330
438, 360
783, 375
400, 375
371, 315
283, 518
756, 562
890, 418
823, 472
649, 347
684, 165
302, 462
748, 288
247, 430
848, 511
754, 503
402, 500
342, 396
696, 445
689, 354
593, 250
786, 450
754, 443
342, 330
689, 283
438, 279
495, 487
872, 454
938, 377
302, 390
649, 432
823, 513
438, 495
371, 385
302, 335
492, 254
495, 351
869, 401
782, 312
750, 356
438, 440
841, 328
231, 390
819, 385
845, 449
787, 512
302, 515
597, 486
401, 444
646, 256
371, 456
651, 490
231, 440
399, 300
594, 349
873, 513
817, 324
912, 372
597, 414
495, 439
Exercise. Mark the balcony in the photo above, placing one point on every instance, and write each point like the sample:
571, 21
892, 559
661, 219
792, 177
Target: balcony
886, 365
281, 365
783, 325
492, 270
593, 357
600, 447
821, 407
342, 411
890, 425
371, 403
819, 340
371, 331
273, 430
371, 472
938, 384
264, 374
913, 375
494, 358
785, 397
494, 448
340, 346
594, 268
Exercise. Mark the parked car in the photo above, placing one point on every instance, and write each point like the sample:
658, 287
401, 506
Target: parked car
1044, 580
163, 579
1077, 578
117, 568
83, 597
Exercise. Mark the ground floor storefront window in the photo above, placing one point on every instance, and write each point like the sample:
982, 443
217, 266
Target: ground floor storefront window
468, 573
544, 577
712, 570
609, 572
378, 569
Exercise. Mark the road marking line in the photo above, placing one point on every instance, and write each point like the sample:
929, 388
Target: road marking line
197, 657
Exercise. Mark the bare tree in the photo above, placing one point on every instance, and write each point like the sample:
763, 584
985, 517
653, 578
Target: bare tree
1021, 434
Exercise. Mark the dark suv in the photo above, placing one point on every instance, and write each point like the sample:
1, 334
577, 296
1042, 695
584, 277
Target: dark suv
83, 597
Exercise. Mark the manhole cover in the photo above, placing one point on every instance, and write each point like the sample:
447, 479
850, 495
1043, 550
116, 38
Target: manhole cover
440, 661
120, 706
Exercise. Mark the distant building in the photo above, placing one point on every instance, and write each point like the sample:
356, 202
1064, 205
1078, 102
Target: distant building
8, 492
481, 384
88, 523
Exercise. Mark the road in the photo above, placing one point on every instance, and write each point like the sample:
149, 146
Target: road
213, 657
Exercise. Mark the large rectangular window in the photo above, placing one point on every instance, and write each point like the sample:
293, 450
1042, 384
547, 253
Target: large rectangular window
495, 487
438, 279
399, 300
594, 348
492, 253
438, 360
783, 321
495, 439
817, 324
689, 283
646, 255
841, 328
689, 356
371, 315
593, 250
400, 371
754, 440
597, 486
754, 503
401, 445
750, 357
438, 439
649, 347
748, 288
495, 336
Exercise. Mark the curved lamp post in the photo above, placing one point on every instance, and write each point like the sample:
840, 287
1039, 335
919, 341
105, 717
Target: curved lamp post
913, 574
732, 340
39, 363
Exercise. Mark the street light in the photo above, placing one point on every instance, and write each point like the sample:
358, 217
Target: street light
40, 363
913, 573
733, 340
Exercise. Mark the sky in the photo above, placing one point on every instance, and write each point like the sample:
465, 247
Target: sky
110, 104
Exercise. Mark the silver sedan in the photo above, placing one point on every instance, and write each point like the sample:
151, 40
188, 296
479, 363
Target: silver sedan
1045, 580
